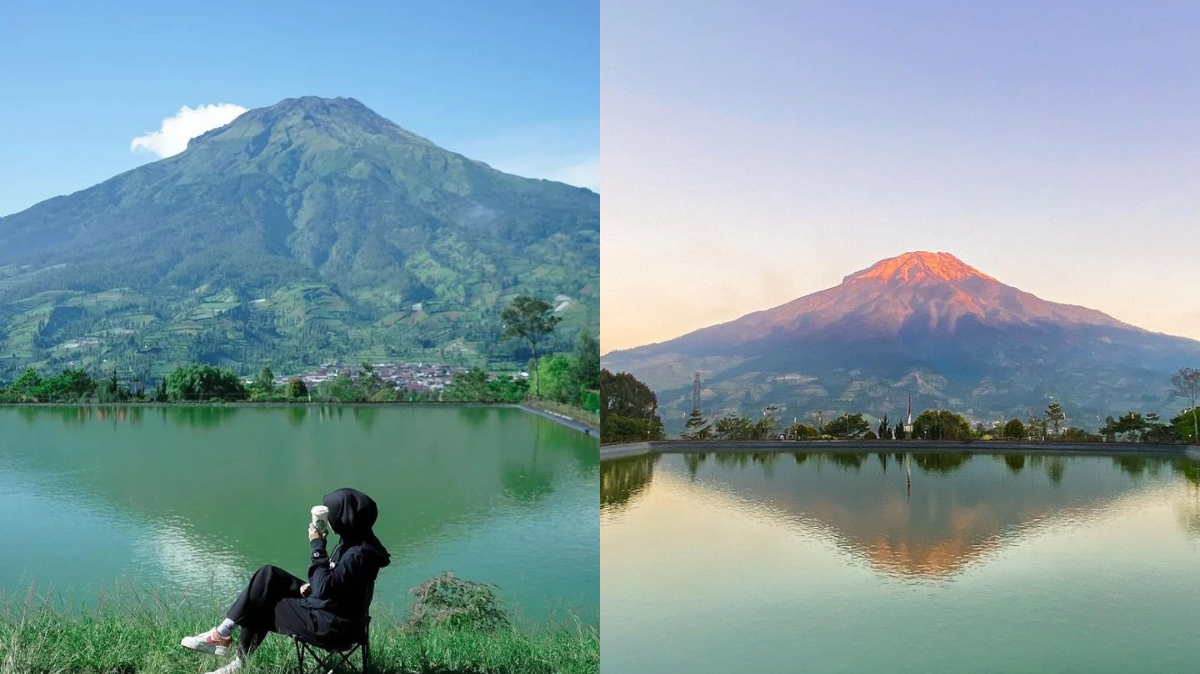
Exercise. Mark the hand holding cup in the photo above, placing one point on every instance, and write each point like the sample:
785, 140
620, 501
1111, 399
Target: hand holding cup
320, 522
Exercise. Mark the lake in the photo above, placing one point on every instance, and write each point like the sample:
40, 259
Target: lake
837, 562
193, 499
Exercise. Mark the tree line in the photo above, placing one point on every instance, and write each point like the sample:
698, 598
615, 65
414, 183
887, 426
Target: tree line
571, 379
568, 378
629, 407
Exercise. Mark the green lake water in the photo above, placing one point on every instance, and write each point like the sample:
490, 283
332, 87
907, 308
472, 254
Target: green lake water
192, 500
838, 563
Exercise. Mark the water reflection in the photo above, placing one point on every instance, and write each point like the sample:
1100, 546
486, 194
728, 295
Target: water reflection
473, 414
1189, 469
78, 416
296, 415
954, 510
623, 479
942, 463
1015, 462
229, 489
366, 416
199, 418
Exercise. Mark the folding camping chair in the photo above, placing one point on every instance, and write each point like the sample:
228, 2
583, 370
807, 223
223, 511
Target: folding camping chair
328, 657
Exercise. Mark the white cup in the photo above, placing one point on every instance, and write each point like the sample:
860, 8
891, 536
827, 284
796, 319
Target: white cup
320, 518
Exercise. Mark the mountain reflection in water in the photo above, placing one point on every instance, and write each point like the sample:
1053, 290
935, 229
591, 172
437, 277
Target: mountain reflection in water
920, 515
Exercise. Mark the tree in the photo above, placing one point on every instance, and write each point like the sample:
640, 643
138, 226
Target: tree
160, 391
1075, 434
696, 427
529, 319
556, 376
799, 431
1109, 429
1036, 427
766, 428
73, 385
469, 386
296, 388
819, 421
1156, 431
1055, 417
884, 428
1014, 429
369, 386
587, 360
204, 382
733, 427
264, 384
941, 425
848, 426
26, 386
1183, 427
505, 388
110, 389
1187, 385
628, 408
1132, 425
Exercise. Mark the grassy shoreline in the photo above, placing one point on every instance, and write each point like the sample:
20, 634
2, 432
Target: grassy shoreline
134, 632
565, 414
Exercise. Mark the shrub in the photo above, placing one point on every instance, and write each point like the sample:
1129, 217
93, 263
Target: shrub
459, 604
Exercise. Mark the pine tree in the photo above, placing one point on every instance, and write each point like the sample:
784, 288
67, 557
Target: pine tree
696, 427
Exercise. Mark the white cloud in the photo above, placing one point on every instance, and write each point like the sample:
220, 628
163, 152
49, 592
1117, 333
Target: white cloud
172, 138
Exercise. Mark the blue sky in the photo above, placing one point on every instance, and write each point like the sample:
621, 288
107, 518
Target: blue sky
515, 84
759, 151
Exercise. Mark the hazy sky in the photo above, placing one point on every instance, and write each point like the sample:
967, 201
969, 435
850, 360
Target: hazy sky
754, 152
515, 84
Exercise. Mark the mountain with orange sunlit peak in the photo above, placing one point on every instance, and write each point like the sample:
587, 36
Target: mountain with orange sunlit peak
925, 323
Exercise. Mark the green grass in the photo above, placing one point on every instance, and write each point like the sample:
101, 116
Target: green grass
137, 632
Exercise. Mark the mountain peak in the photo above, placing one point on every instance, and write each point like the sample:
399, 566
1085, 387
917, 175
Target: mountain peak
918, 266
313, 122
318, 105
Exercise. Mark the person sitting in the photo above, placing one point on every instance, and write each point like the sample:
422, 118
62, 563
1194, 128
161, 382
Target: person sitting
331, 607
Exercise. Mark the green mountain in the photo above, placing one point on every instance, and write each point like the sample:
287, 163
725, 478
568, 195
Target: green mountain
308, 231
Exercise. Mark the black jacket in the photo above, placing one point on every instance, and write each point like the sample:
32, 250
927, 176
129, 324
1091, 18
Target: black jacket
343, 585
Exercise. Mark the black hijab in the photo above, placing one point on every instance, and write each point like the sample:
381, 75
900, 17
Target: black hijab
351, 516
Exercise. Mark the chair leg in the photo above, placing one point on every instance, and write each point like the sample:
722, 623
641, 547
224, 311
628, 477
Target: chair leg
299, 656
366, 656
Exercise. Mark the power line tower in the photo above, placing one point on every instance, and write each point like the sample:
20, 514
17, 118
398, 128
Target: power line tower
696, 427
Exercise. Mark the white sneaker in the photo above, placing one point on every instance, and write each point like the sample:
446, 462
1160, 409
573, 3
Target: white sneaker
208, 642
234, 666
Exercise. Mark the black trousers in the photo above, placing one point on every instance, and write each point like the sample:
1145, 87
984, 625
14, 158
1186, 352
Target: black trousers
272, 603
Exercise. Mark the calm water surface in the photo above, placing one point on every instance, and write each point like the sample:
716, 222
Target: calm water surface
834, 563
194, 499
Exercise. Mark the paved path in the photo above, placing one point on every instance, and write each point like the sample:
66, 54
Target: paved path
565, 421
